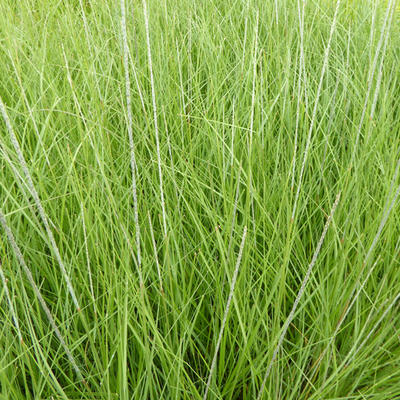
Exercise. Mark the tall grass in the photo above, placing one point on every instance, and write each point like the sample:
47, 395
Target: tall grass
139, 139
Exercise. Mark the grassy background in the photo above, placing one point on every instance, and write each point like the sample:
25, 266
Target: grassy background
227, 91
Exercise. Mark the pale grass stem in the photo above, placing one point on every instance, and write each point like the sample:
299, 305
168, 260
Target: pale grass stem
301, 67
39, 296
372, 74
11, 165
225, 317
233, 132
245, 38
303, 10
10, 303
347, 80
38, 203
182, 90
253, 92
153, 96
380, 72
234, 212
314, 113
130, 136
298, 297
155, 253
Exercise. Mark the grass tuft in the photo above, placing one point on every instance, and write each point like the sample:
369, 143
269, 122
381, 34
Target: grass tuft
137, 139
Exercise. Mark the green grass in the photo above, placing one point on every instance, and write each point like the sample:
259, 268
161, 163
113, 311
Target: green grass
250, 115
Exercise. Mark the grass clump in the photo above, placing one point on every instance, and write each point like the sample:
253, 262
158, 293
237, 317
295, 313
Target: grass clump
167, 169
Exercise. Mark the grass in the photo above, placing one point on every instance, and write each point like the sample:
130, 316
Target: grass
168, 175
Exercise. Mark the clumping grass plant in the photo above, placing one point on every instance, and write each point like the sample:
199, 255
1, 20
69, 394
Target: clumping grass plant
170, 224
